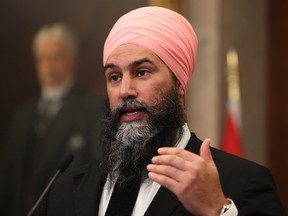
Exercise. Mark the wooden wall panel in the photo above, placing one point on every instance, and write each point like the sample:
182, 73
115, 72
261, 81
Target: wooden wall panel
277, 133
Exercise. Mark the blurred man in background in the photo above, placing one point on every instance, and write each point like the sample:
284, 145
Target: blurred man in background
62, 119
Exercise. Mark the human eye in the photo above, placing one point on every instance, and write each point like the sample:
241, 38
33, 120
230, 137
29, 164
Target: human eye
142, 72
114, 78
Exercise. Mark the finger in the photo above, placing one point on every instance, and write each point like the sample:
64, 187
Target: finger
182, 153
205, 152
163, 180
168, 171
171, 161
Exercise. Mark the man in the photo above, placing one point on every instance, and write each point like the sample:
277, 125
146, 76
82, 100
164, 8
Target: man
62, 119
152, 164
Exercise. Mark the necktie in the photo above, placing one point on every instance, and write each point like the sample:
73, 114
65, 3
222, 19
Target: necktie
123, 198
47, 110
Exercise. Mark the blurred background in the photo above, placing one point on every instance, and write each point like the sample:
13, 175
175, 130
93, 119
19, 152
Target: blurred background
256, 30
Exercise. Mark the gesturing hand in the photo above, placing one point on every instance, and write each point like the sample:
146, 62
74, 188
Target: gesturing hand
192, 178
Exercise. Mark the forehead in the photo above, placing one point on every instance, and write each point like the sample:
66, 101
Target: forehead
51, 44
127, 53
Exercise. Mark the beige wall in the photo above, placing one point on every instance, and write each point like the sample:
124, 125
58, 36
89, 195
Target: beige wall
220, 25
203, 95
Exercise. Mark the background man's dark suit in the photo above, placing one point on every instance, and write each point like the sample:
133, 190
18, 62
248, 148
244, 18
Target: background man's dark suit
29, 161
249, 185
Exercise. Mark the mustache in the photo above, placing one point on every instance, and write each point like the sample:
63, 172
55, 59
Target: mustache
129, 104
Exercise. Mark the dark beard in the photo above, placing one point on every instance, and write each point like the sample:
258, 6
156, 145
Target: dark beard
128, 151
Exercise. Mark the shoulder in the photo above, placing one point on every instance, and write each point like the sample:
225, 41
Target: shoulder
28, 106
21, 117
76, 175
224, 160
230, 166
84, 100
74, 192
239, 174
231, 162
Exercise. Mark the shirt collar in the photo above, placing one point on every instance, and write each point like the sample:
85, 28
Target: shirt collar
58, 92
183, 141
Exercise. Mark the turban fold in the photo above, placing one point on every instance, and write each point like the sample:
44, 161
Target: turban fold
163, 31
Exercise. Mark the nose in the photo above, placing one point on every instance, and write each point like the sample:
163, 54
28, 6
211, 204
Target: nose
46, 62
127, 88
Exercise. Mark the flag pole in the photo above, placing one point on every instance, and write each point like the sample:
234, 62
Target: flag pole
233, 85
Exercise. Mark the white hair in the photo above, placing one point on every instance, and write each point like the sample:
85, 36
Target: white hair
57, 31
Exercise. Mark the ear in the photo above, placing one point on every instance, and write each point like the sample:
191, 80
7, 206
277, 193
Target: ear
181, 90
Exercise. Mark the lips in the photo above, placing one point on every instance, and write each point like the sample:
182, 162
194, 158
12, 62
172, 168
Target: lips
131, 114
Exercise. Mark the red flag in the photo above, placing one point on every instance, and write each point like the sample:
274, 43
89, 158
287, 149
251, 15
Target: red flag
231, 138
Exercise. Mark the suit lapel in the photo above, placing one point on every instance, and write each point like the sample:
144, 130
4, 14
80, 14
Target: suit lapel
62, 119
87, 191
165, 201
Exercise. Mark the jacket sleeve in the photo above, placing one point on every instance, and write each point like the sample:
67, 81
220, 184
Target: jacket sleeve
260, 196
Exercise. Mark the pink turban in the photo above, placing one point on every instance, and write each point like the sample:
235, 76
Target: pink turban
166, 33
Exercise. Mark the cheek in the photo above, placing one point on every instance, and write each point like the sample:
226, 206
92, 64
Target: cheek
65, 66
113, 98
61, 67
40, 66
41, 71
150, 96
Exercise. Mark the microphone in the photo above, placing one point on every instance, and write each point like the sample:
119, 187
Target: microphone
61, 168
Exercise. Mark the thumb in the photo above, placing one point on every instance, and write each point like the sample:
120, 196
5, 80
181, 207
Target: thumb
205, 152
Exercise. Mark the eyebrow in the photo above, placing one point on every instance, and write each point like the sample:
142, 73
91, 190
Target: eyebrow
133, 64
141, 61
110, 65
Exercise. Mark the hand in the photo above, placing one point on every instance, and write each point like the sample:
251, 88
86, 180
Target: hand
192, 178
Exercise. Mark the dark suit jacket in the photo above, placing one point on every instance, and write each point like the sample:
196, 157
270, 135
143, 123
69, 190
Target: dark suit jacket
29, 162
250, 185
